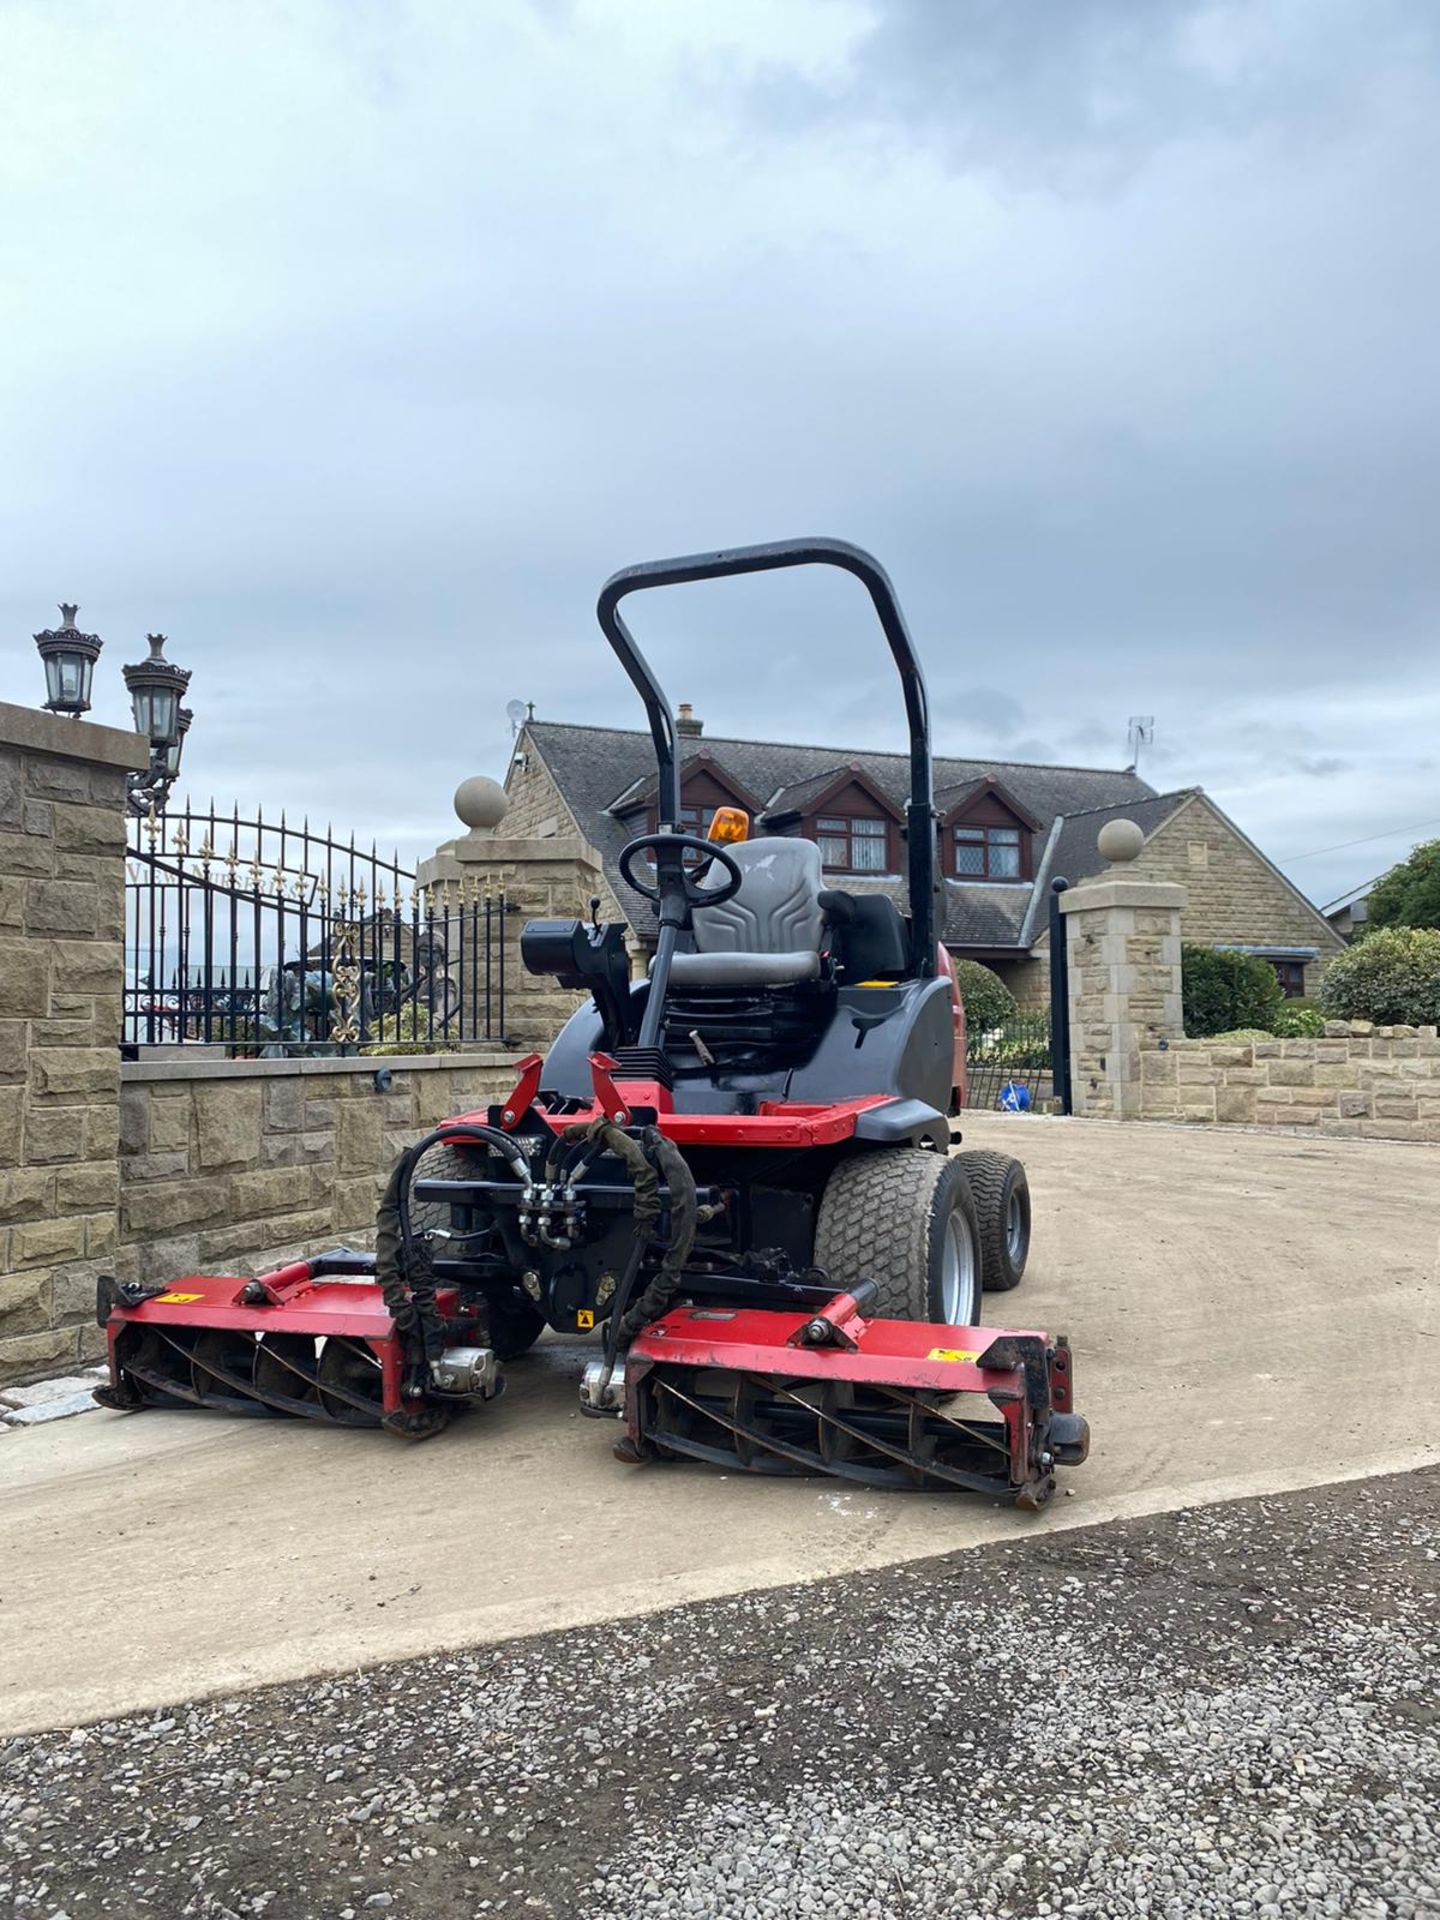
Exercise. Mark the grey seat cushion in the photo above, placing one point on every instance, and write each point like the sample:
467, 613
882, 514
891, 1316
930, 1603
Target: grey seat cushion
769, 934
743, 969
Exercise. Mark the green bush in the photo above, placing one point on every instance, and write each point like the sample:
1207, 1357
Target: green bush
404, 1031
988, 1001
1392, 975
1299, 1020
1409, 894
1223, 990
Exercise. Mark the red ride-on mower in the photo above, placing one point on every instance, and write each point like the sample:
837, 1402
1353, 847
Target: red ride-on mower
736, 1172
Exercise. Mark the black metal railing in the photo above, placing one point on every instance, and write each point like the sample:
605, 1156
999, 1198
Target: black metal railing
1009, 1066
269, 939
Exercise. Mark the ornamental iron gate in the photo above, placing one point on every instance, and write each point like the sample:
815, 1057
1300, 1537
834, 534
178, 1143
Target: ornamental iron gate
269, 939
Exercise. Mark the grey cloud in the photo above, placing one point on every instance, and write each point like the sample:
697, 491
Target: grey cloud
1078, 94
355, 346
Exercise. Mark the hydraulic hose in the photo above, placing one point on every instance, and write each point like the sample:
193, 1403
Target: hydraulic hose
684, 1212
408, 1290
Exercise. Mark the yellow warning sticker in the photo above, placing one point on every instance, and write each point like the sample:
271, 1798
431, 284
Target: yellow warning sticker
953, 1353
584, 1319
177, 1299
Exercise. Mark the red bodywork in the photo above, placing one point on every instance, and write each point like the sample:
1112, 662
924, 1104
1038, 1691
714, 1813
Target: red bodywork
775, 1123
730, 1372
292, 1301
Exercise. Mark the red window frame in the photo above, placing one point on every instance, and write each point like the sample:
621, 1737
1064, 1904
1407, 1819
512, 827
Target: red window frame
991, 842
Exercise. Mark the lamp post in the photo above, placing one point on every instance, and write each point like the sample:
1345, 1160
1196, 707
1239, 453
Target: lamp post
156, 685
69, 657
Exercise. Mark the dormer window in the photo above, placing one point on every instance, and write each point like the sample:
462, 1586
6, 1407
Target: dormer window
852, 844
987, 853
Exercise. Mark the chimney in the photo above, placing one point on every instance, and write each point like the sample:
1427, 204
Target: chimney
686, 725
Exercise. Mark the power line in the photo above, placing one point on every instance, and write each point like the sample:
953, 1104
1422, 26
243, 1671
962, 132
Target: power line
1393, 833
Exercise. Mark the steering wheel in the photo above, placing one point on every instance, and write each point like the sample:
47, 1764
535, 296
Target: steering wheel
695, 896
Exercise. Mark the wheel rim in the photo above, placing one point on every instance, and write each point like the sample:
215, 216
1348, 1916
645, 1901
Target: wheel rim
1014, 1228
957, 1272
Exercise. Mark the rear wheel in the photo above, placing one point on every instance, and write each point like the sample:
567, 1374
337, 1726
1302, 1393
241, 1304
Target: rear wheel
1002, 1212
516, 1323
904, 1218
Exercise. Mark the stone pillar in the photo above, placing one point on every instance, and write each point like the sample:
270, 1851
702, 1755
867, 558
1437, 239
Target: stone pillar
1123, 943
549, 879
62, 975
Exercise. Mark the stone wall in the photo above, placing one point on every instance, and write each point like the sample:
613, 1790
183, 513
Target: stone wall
62, 835
537, 809
232, 1166
1360, 1079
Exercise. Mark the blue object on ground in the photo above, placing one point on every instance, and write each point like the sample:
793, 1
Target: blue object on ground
1014, 1098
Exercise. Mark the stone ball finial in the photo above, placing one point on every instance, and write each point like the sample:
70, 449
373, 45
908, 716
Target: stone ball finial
1120, 842
480, 803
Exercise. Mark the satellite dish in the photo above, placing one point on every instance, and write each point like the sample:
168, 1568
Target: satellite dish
515, 713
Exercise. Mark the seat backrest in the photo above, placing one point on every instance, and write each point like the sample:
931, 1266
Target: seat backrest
777, 909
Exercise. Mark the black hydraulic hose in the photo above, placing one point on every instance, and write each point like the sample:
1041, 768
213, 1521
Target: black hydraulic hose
409, 1292
684, 1213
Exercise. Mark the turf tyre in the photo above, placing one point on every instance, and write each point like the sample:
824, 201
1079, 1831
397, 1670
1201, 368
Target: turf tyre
1001, 1193
886, 1216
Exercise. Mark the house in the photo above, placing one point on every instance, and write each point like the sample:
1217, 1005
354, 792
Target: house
1007, 829
1350, 914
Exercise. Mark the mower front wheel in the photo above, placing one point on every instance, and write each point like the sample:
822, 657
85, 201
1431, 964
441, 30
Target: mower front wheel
905, 1218
1002, 1210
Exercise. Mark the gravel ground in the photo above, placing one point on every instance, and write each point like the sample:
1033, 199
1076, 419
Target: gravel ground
1228, 1711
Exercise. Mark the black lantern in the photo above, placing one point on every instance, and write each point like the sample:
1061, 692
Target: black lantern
177, 745
69, 657
155, 689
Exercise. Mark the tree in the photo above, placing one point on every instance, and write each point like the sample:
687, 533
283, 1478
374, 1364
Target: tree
1409, 894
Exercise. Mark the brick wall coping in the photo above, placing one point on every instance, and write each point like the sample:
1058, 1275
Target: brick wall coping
40, 732
207, 1068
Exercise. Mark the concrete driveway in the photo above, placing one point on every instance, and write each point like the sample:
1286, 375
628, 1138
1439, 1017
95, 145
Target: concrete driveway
1249, 1313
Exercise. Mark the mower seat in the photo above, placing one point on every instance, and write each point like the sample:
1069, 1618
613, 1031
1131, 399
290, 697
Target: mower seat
768, 934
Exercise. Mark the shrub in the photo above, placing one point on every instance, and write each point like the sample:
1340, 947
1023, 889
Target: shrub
1299, 1020
1392, 975
1409, 894
404, 1031
1223, 990
988, 1001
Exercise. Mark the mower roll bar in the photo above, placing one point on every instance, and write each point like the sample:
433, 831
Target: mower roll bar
920, 810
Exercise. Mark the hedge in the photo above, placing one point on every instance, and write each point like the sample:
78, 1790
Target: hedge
1392, 975
1222, 990
988, 1001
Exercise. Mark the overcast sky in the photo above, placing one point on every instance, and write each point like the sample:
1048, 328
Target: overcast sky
353, 345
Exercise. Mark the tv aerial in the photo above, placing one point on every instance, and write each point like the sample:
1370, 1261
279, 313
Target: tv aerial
1141, 734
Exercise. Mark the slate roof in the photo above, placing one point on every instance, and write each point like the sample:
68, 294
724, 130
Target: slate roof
1072, 851
594, 767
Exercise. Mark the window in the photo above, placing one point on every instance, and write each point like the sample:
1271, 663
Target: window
1291, 975
855, 845
696, 820
987, 853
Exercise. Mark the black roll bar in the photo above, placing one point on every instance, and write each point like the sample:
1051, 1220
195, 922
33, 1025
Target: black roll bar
920, 811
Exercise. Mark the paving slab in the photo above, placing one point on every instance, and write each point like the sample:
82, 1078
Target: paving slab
63, 1407
1249, 1313
42, 1392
